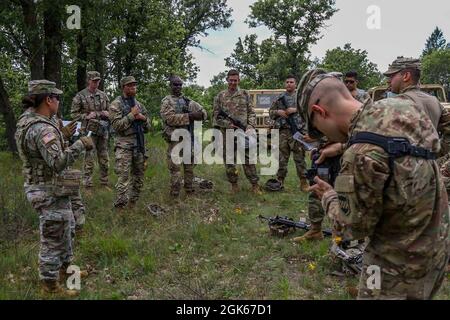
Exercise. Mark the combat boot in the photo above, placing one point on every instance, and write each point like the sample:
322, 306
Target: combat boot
174, 194
256, 189
304, 185
52, 287
234, 188
312, 235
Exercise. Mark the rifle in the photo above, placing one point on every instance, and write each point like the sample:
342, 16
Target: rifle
249, 140
191, 123
130, 102
296, 134
352, 263
349, 252
233, 120
283, 225
327, 170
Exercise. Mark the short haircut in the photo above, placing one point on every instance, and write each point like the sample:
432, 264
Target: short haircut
291, 76
232, 72
174, 77
415, 74
352, 74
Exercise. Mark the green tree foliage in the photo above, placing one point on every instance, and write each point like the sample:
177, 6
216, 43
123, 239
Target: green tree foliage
435, 41
436, 68
296, 24
349, 59
149, 39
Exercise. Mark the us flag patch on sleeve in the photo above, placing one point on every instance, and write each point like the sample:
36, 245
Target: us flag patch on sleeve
49, 137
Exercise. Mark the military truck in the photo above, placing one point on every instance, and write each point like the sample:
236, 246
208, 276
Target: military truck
262, 101
381, 92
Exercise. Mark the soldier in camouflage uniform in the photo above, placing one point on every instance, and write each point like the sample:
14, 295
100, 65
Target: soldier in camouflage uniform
178, 112
129, 118
90, 106
238, 104
403, 79
282, 109
351, 81
396, 199
45, 161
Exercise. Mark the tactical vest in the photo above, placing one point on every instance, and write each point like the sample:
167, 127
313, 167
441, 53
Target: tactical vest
282, 123
181, 106
35, 169
88, 104
126, 109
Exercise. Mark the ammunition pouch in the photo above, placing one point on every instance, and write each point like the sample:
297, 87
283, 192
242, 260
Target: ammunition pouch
98, 127
38, 173
67, 183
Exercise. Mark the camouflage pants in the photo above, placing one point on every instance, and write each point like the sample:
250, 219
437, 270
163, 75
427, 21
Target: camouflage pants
130, 168
55, 225
175, 173
101, 149
231, 169
288, 145
398, 287
78, 209
316, 213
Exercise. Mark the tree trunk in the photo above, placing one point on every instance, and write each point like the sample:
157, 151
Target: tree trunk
8, 117
34, 43
99, 61
81, 61
53, 43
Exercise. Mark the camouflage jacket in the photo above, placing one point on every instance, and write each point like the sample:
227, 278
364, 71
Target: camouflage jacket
238, 104
123, 123
41, 148
283, 102
440, 117
408, 223
85, 102
175, 113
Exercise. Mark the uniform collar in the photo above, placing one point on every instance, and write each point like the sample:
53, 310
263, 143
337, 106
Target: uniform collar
92, 94
411, 87
356, 116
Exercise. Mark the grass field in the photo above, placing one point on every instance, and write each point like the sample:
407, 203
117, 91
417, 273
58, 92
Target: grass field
210, 246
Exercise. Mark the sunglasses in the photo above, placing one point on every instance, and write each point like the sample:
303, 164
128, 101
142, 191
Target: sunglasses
349, 81
55, 96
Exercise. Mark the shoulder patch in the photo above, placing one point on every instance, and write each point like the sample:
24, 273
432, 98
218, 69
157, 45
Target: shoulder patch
49, 137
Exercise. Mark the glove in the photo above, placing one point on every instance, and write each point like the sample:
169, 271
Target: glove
193, 116
69, 130
87, 142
